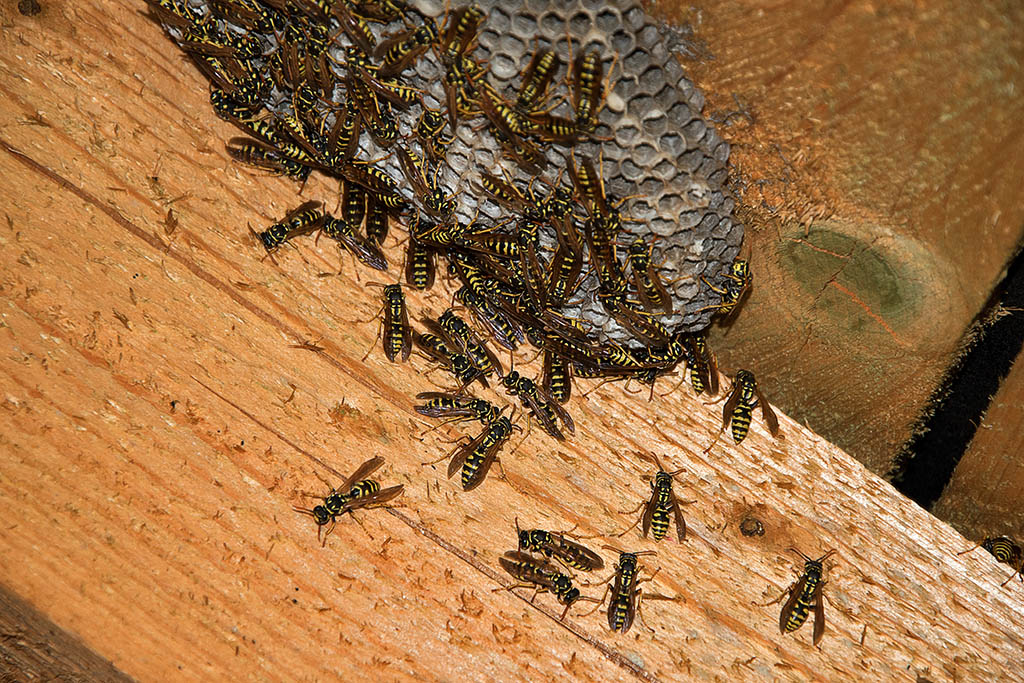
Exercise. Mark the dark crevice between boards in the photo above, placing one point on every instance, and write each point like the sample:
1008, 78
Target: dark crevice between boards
927, 461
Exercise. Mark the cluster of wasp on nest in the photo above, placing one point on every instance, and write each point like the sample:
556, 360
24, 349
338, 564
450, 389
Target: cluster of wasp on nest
523, 208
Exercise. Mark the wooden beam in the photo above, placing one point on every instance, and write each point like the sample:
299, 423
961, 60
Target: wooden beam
875, 149
33, 648
154, 448
983, 498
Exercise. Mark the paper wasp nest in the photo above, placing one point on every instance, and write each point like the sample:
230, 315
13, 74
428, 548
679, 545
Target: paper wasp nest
660, 150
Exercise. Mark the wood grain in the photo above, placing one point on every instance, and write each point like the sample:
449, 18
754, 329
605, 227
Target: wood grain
984, 496
153, 447
875, 150
33, 648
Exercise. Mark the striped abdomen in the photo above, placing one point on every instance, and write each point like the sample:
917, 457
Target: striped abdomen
362, 489
741, 421
660, 517
804, 603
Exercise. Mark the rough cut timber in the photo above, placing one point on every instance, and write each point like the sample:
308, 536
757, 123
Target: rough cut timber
33, 648
153, 447
984, 496
878, 148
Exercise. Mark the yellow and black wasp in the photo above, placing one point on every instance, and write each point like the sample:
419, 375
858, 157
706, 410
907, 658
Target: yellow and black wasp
460, 33
419, 264
587, 90
626, 595
547, 411
436, 202
536, 80
373, 179
459, 364
703, 365
374, 112
456, 407
803, 596
744, 396
399, 52
377, 220
304, 220
556, 546
653, 294
1005, 550
542, 576
428, 131
737, 284
663, 508
394, 328
345, 234
357, 492
456, 331
476, 457
498, 325
557, 377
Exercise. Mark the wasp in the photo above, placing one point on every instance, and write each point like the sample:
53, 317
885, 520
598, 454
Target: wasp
353, 204
355, 27
399, 52
433, 198
587, 90
557, 380
543, 407
228, 107
459, 88
542, 576
460, 32
301, 221
458, 363
653, 294
1005, 550
703, 365
394, 327
257, 154
556, 546
552, 128
743, 398
457, 407
626, 595
373, 179
428, 131
663, 507
374, 112
804, 595
343, 138
501, 328
737, 284
376, 220
476, 457
357, 492
419, 264
366, 251
640, 323
456, 331
536, 80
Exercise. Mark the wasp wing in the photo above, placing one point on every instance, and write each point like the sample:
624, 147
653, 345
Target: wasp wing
678, 514
795, 591
379, 498
730, 406
364, 470
819, 613
768, 414
463, 452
